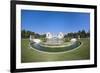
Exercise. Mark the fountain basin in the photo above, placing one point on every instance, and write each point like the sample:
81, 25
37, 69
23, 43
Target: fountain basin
56, 48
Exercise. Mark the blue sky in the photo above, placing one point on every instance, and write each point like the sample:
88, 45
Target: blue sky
54, 22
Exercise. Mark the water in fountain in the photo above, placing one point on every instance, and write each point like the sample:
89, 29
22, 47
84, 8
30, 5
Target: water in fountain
54, 41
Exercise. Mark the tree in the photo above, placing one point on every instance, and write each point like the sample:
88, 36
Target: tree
81, 33
37, 35
88, 34
26, 34
23, 33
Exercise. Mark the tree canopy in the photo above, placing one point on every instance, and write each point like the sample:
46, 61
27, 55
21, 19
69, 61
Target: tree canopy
80, 33
26, 34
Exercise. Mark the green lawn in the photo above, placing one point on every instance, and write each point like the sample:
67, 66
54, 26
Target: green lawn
30, 55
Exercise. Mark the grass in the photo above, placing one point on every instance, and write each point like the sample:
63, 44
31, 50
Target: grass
30, 55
